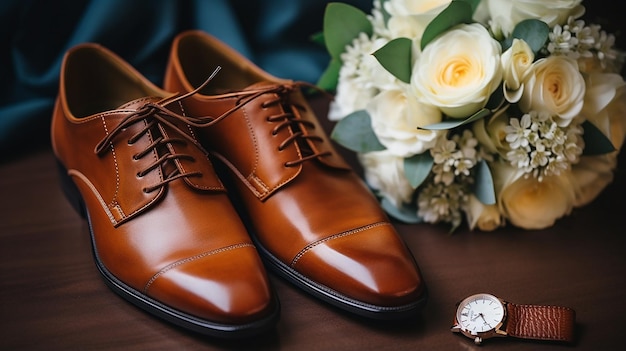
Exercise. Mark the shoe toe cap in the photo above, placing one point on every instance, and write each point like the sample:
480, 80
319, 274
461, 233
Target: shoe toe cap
373, 266
228, 287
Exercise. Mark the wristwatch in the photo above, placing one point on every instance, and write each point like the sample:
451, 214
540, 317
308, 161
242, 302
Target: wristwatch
483, 316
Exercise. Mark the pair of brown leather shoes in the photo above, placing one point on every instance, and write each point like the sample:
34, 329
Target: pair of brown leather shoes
136, 160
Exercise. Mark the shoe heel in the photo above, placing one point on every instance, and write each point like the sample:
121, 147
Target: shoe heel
71, 191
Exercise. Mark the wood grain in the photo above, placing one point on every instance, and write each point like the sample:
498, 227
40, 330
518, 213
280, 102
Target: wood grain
52, 297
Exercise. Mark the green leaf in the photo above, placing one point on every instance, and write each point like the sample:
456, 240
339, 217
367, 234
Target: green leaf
395, 57
453, 123
459, 11
417, 168
483, 187
355, 132
330, 78
343, 23
474, 4
406, 214
596, 143
533, 31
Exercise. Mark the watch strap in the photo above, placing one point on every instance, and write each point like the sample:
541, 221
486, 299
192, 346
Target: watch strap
540, 322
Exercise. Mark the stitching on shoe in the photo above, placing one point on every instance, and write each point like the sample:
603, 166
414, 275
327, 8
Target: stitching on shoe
332, 237
74, 172
114, 204
252, 175
190, 259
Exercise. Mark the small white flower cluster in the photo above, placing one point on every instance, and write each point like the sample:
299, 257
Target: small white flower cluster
440, 203
577, 40
454, 158
445, 194
540, 147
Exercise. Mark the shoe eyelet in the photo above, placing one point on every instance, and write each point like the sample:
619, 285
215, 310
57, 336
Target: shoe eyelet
136, 157
139, 175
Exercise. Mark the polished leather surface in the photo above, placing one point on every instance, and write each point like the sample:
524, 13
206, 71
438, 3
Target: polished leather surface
160, 219
306, 207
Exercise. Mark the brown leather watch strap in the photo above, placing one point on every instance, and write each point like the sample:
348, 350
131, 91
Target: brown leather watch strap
540, 322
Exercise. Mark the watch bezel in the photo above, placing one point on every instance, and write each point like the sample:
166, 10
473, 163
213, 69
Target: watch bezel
478, 337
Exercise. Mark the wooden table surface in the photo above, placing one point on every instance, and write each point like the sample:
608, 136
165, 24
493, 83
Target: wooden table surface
52, 297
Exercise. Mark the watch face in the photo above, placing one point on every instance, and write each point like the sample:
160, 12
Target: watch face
480, 313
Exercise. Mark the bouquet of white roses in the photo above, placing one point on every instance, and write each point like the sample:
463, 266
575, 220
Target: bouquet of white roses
491, 111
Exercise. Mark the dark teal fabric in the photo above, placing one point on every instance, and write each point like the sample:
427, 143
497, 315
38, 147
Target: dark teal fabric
35, 34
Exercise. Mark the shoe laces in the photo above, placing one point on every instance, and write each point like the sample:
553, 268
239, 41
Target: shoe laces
156, 116
289, 118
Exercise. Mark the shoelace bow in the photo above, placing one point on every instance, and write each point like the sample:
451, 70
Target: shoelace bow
289, 118
155, 114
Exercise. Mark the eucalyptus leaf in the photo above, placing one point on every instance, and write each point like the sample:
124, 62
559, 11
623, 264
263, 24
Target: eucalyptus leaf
355, 132
596, 143
406, 214
453, 123
417, 168
483, 186
533, 31
457, 12
330, 78
395, 57
343, 23
474, 4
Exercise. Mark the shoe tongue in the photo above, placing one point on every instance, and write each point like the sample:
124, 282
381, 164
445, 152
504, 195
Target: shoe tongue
138, 103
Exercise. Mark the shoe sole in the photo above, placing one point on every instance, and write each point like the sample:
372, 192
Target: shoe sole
176, 317
315, 289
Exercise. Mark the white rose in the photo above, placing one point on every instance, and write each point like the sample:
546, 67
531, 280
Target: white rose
529, 203
409, 18
484, 217
459, 70
504, 15
555, 86
350, 96
516, 62
591, 175
384, 172
414, 7
361, 77
605, 107
395, 120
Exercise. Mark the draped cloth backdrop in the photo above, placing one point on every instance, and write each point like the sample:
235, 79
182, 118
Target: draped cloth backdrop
274, 34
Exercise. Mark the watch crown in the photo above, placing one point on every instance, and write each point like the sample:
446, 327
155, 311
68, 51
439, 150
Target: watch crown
478, 340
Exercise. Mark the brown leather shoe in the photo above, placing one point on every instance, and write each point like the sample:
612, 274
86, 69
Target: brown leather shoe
313, 219
165, 235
